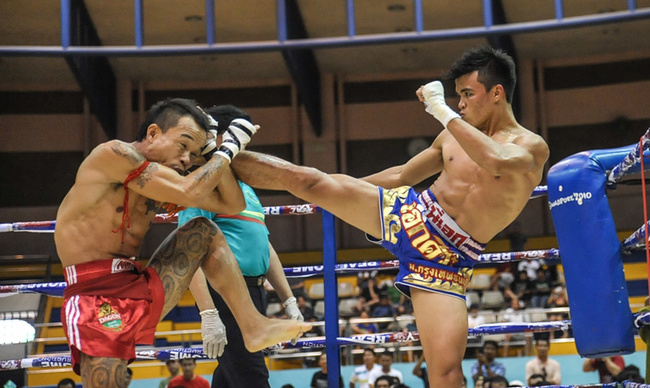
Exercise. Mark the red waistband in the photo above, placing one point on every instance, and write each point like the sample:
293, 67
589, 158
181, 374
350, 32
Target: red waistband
90, 270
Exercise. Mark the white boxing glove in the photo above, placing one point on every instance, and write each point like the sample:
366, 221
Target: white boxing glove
213, 332
293, 312
236, 138
434, 100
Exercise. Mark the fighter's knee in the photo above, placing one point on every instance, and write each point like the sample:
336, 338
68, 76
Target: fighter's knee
453, 376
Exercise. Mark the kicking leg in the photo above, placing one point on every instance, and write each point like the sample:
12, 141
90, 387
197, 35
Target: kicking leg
442, 324
102, 372
180, 255
352, 200
259, 332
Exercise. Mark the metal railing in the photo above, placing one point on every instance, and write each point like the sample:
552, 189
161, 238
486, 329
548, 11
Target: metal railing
488, 28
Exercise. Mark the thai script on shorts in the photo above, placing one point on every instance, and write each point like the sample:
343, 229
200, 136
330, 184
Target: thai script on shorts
439, 274
431, 247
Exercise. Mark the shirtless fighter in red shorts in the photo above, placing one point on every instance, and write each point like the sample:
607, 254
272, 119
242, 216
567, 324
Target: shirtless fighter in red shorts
111, 302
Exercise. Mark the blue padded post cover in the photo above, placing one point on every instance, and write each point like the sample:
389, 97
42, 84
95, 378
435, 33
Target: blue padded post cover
591, 252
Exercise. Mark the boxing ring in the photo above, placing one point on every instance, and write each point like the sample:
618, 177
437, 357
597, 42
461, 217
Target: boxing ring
578, 202
576, 193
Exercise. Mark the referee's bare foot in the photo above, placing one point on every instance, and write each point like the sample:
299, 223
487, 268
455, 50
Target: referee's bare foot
275, 331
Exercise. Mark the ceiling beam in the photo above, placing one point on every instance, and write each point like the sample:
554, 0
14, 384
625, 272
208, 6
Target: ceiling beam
93, 73
302, 65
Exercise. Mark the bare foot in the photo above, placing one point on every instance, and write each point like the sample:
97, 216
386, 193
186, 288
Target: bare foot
274, 331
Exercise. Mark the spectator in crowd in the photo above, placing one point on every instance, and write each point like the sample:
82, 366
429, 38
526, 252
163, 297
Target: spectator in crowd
316, 330
368, 290
542, 289
188, 379
384, 309
530, 266
521, 288
504, 275
515, 314
402, 304
386, 287
486, 365
297, 286
384, 381
174, 368
421, 371
608, 367
502, 278
364, 327
474, 319
361, 373
405, 305
495, 382
386, 361
304, 307
538, 381
66, 383
319, 379
558, 299
631, 373
543, 365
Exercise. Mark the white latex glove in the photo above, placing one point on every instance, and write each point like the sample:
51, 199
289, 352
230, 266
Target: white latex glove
434, 100
293, 312
213, 332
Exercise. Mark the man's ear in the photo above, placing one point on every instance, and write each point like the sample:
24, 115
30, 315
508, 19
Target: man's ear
498, 92
153, 130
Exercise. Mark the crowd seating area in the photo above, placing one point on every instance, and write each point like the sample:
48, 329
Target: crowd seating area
368, 303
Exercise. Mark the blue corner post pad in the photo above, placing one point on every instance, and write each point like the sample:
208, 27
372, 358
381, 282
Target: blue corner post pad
591, 252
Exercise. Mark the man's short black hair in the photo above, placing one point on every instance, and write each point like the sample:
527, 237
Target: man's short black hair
390, 379
538, 380
66, 381
543, 339
494, 67
491, 342
224, 114
487, 383
166, 114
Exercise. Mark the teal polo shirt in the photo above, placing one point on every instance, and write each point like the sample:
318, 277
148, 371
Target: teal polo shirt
246, 232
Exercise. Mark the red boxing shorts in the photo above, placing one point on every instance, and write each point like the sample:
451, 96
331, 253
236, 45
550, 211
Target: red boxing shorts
110, 306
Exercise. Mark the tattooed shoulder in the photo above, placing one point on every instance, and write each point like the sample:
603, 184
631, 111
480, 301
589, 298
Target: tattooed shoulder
127, 151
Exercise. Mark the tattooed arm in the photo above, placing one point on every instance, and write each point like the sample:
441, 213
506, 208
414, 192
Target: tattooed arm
116, 160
